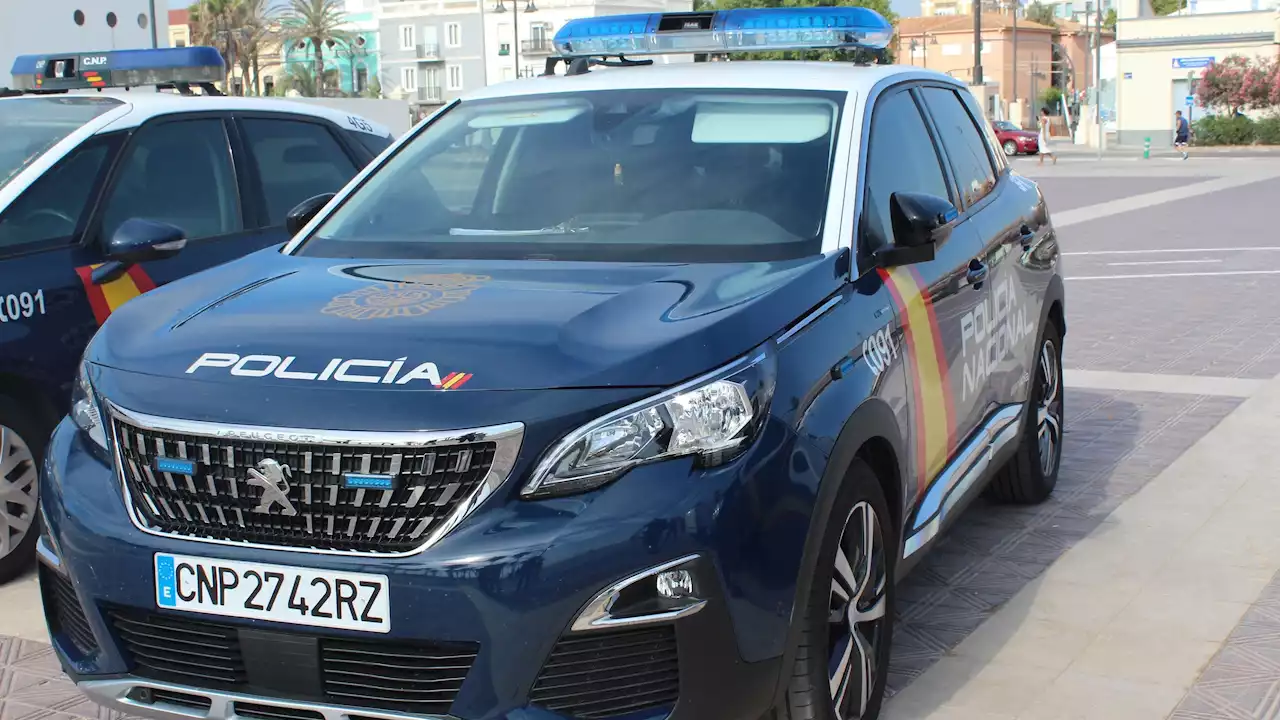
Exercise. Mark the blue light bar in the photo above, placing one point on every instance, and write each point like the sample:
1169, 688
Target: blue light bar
724, 31
118, 68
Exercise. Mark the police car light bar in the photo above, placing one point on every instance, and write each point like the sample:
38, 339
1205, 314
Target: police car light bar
724, 31
119, 68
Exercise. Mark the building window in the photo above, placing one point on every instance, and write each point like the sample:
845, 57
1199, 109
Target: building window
409, 78
180, 43
454, 77
269, 85
952, 49
408, 37
453, 34
362, 79
78, 17
504, 49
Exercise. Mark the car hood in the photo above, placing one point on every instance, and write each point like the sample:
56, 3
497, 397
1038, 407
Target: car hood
275, 320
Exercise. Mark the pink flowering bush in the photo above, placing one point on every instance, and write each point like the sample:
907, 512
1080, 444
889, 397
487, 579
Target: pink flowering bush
1239, 83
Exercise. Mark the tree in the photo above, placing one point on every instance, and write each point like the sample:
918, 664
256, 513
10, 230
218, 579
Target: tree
316, 22
1237, 83
1167, 7
1109, 20
211, 24
1043, 14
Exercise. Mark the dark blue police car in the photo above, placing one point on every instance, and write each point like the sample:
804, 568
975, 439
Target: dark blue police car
87, 176
627, 392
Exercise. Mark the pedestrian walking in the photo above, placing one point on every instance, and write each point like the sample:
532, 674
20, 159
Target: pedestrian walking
1045, 148
1181, 133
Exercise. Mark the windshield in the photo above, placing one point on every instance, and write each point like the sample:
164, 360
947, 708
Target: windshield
667, 175
1005, 125
33, 125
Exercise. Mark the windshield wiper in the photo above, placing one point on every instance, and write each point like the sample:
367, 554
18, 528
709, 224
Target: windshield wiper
563, 228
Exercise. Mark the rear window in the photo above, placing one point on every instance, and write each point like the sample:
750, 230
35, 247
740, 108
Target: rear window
681, 175
375, 144
33, 125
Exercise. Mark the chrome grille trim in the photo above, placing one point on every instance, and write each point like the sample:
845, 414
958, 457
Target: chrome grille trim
507, 439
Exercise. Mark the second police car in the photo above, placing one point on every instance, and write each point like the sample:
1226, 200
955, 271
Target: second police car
620, 393
104, 196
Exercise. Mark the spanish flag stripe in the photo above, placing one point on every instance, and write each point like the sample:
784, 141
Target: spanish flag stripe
924, 346
108, 297
96, 300
465, 377
449, 379
896, 290
944, 368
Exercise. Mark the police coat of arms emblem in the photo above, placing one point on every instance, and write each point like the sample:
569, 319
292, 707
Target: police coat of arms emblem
414, 296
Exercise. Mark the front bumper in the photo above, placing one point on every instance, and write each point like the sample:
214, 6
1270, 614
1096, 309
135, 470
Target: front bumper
508, 584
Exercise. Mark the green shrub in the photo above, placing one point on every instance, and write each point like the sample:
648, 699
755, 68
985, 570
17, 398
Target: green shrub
1224, 130
1268, 130
1050, 97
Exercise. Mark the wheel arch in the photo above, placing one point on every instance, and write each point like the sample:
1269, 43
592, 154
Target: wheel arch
30, 395
871, 434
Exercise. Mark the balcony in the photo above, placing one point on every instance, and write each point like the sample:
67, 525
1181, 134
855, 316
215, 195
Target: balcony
536, 46
430, 95
427, 53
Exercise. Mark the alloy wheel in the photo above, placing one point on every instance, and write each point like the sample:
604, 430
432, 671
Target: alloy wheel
1010, 148
858, 612
18, 490
1049, 407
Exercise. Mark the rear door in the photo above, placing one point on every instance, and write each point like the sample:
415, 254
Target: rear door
1001, 332
932, 297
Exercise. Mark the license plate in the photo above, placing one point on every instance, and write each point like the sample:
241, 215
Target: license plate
299, 596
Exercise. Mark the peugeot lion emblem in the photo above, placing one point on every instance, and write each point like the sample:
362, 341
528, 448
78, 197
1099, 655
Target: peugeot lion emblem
273, 478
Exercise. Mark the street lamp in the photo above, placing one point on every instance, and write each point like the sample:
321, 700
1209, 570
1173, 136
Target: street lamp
928, 39
500, 6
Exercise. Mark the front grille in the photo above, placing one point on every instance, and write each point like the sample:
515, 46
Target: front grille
608, 674
275, 712
415, 678
64, 611
181, 699
187, 652
226, 497
404, 678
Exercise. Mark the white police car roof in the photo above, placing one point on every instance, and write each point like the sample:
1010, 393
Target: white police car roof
142, 104
746, 74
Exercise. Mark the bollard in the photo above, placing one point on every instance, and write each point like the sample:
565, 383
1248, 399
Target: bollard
1146, 148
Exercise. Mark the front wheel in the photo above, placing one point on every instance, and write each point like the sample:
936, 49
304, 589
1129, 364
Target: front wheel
21, 446
843, 659
1010, 148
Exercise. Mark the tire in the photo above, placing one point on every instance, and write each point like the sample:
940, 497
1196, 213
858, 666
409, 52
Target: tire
1031, 474
810, 695
1010, 148
22, 443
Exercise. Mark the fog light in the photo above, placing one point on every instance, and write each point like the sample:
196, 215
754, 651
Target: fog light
675, 584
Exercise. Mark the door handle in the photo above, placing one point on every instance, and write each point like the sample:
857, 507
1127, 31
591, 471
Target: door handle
977, 273
1026, 236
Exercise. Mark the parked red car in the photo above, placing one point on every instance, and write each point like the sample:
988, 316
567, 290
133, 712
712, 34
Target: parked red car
1014, 140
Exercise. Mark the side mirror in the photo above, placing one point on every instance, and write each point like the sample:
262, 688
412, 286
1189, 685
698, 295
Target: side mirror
302, 214
135, 241
919, 221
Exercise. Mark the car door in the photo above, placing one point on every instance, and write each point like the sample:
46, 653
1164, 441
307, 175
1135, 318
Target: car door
176, 169
1004, 326
931, 297
46, 318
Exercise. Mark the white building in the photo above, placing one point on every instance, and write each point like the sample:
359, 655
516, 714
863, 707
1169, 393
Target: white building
70, 26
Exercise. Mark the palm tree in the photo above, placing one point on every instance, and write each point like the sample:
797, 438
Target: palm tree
212, 22
256, 28
316, 22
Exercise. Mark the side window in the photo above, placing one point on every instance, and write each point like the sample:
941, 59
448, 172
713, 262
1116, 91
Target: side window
375, 144
55, 205
455, 174
296, 160
901, 158
970, 159
179, 173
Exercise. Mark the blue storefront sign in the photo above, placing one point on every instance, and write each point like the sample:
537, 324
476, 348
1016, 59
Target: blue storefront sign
1187, 63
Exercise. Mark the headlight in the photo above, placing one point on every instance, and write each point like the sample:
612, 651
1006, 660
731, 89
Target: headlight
713, 418
84, 408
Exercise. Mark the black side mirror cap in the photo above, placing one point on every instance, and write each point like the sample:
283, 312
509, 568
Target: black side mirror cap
304, 211
138, 240
920, 221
